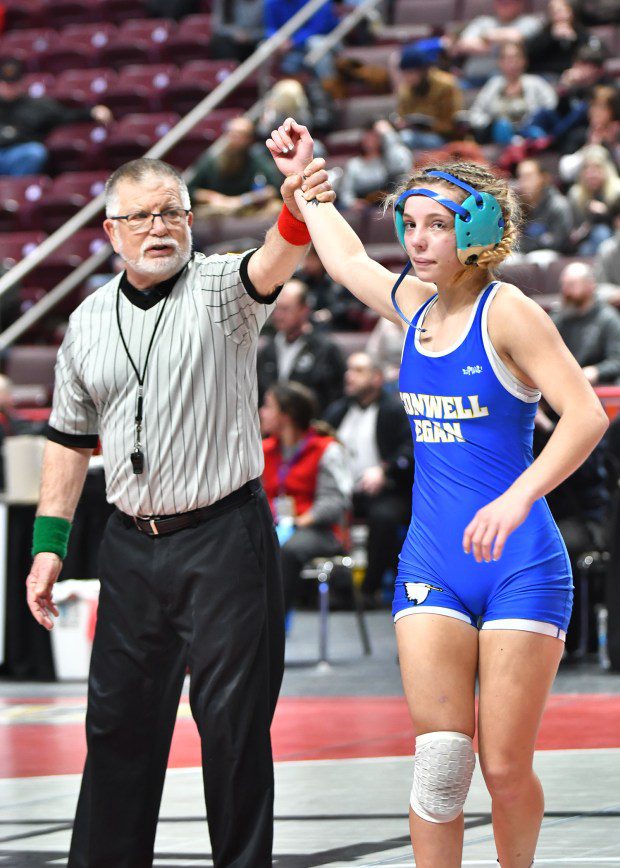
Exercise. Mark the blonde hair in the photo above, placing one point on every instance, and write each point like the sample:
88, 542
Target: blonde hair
483, 180
601, 157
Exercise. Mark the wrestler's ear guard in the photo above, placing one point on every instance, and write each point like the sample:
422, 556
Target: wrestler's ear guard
478, 222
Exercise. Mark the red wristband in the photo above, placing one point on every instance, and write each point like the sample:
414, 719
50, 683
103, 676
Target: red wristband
291, 229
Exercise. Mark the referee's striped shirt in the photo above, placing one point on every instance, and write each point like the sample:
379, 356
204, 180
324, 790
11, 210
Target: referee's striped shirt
200, 434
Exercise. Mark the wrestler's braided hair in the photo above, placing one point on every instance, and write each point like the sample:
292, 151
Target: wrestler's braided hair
483, 180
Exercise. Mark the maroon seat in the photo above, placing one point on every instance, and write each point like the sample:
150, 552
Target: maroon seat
62, 12
155, 30
86, 85
19, 198
39, 83
31, 364
196, 79
528, 276
69, 193
185, 46
94, 36
361, 110
437, 12
34, 39
134, 134
200, 137
14, 246
125, 51
66, 258
58, 58
195, 25
140, 88
119, 10
24, 14
76, 147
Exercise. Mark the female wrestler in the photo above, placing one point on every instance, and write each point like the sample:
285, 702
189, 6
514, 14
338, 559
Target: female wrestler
484, 585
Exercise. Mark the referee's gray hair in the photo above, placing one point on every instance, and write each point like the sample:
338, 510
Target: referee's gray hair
136, 171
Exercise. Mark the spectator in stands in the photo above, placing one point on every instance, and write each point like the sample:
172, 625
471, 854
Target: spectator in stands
384, 159
580, 506
480, 40
25, 121
547, 215
237, 177
603, 129
331, 305
238, 27
590, 328
591, 197
306, 479
554, 47
385, 345
290, 98
507, 104
607, 261
309, 36
298, 352
427, 99
375, 431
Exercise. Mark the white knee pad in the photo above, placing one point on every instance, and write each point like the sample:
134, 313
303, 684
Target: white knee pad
443, 766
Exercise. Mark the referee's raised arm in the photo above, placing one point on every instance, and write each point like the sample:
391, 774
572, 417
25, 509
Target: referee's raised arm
286, 243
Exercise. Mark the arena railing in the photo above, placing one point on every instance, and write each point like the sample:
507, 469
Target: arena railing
263, 53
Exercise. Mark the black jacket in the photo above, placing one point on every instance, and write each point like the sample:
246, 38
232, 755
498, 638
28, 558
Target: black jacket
319, 365
30, 119
393, 437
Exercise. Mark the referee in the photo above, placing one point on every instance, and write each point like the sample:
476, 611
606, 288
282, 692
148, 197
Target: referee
160, 365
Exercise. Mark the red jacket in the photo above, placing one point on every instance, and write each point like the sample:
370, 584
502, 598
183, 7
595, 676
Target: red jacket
298, 479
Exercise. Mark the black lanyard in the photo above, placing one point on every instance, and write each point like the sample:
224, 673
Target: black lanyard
137, 456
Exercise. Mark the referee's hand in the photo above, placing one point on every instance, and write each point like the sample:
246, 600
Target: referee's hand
45, 570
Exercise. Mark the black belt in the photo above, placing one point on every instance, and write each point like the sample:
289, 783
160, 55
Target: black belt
161, 525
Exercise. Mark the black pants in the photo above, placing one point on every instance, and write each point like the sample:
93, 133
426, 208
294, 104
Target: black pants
387, 514
305, 544
208, 598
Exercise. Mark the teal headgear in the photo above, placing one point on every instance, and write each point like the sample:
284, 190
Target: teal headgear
478, 222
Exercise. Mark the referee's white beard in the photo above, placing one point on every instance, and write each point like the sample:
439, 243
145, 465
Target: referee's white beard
161, 267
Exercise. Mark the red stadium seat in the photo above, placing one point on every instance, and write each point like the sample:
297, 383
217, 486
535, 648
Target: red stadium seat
14, 246
361, 110
85, 85
140, 88
62, 12
34, 39
528, 276
195, 25
134, 134
19, 197
68, 193
125, 51
119, 10
32, 364
155, 30
93, 36
58, 58
39, 83
186, 46
66, 258
24, 14
196, 79
76, 147
437, 12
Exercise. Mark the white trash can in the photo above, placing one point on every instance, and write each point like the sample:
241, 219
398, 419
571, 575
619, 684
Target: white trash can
72, 636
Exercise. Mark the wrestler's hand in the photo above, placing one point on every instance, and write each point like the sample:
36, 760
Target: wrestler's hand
291, 147
314, 183
486, 534
45, 570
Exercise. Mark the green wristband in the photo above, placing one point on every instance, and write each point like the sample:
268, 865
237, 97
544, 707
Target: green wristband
51, 534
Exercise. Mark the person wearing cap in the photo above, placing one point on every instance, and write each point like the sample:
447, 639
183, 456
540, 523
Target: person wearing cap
25, 121
484, 588
427, 99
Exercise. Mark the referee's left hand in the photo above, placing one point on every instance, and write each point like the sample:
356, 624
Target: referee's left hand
44, 572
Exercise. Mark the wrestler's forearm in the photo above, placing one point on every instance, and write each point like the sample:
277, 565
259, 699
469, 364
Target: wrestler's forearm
62, 480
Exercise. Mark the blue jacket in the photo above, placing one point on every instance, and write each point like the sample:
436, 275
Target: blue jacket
278, 12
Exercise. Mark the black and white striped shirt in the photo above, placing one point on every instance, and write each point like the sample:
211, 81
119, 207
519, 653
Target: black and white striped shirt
200, 433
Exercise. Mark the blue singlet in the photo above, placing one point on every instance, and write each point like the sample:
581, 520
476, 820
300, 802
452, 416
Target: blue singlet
472, 423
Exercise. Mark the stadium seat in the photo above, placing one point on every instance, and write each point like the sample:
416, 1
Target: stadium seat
26, 365
344, 142
14, 246
195, 25
185, 46
119, 10
39, 83
139, 88
378, 228
437, 12
62, 12
76, 147
94, 36
196, 80
134, 134
58, 58
528, 276
85, 85
69, 193
24, 14
31, 41
153, 30
66, 258
125, 51
19, 197
200, 137
360, 110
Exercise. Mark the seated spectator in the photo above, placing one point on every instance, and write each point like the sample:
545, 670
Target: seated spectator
580, 506
554, 48
332, 306
591, 197
427, 100
238, 27
547, 215
507, 104
25, 121
607, 261
297, 351
590, 328
307, 37
384, 159
237, 176
373, 427
306, 479
480, 40
603, 129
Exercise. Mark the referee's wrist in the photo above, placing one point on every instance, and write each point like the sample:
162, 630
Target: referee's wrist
50, 534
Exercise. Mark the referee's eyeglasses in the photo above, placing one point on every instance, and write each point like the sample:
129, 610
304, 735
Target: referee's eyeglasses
142, 221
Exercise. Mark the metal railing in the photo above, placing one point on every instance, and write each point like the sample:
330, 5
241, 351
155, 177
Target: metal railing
263, 53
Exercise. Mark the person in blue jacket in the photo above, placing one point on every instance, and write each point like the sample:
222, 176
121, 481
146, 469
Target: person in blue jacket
484, 587
307, 37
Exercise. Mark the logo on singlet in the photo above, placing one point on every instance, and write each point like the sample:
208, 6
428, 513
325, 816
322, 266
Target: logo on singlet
472, 369
417, 592
441, 407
